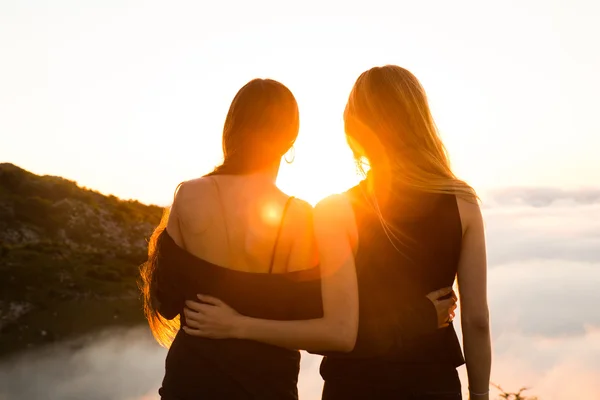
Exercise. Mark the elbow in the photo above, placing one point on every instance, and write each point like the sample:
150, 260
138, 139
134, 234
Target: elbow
344, 338
477, 323
347, 345
344, 345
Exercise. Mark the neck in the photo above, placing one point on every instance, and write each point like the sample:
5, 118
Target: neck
268, 174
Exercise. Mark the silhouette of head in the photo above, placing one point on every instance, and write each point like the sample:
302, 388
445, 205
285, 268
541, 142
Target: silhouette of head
261, 126
388, 122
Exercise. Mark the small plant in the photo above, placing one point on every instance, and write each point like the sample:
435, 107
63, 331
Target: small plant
514, 395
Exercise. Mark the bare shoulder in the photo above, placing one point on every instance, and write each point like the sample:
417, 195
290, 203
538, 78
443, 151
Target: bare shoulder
194, 187
336, 206
335, 224
301, 213
301, 207
301, 236
192, 190
334, 214
188, 196
470, 213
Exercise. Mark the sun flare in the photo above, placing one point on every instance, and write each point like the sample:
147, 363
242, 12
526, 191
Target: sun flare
323, 166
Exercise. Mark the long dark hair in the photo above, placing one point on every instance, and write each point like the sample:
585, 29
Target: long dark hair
261, 126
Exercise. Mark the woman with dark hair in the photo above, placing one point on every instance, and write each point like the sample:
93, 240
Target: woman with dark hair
234, 234
414, 227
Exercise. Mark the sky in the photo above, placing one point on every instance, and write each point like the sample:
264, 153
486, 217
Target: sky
129, 97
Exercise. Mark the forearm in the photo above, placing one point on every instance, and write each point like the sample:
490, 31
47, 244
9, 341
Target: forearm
311, 335
478, 356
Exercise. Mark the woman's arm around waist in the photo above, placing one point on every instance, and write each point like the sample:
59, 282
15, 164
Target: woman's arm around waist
336, 236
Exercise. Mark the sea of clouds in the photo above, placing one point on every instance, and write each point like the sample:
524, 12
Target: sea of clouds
544, 295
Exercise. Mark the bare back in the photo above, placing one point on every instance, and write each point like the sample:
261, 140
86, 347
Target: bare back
243, 222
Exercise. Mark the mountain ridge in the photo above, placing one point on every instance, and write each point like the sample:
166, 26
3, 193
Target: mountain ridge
64, 251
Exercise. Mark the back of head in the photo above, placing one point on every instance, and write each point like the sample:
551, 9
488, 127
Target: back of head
388, 122
261, 126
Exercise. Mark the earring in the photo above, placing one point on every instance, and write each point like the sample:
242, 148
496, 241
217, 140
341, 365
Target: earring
359, 163
292, 150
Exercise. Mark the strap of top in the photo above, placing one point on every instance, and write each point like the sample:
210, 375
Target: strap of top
285, 208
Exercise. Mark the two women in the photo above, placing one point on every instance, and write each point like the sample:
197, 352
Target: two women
385, 249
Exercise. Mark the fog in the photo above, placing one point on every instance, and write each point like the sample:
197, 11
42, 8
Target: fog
124, 364
544, 275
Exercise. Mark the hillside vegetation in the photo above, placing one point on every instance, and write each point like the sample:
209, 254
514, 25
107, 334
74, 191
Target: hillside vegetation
69, 258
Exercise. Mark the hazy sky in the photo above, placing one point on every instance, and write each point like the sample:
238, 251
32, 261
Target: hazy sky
129, 97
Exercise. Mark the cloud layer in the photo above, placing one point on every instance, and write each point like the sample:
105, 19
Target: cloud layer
544, 279
566, 227
540, 197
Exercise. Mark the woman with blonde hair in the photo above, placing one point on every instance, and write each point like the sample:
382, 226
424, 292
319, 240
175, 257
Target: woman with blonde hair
419, 228
411, 227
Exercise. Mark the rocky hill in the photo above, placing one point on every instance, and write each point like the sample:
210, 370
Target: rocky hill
69, 258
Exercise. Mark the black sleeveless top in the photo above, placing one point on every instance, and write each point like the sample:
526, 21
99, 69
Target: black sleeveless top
393, 283
199, 368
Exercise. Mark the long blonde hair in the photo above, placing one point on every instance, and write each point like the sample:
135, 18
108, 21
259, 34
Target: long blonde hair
388, 122
389, 127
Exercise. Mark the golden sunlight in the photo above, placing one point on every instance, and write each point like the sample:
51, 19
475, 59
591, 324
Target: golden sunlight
320, 169
271, 214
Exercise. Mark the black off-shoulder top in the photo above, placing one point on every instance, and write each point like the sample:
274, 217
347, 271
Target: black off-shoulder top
230, 368
243, 369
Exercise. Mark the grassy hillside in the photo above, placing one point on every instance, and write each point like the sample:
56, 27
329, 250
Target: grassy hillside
69, 258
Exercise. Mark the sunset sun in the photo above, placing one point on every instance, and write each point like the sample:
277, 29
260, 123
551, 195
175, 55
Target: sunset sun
322, 163
312, 178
